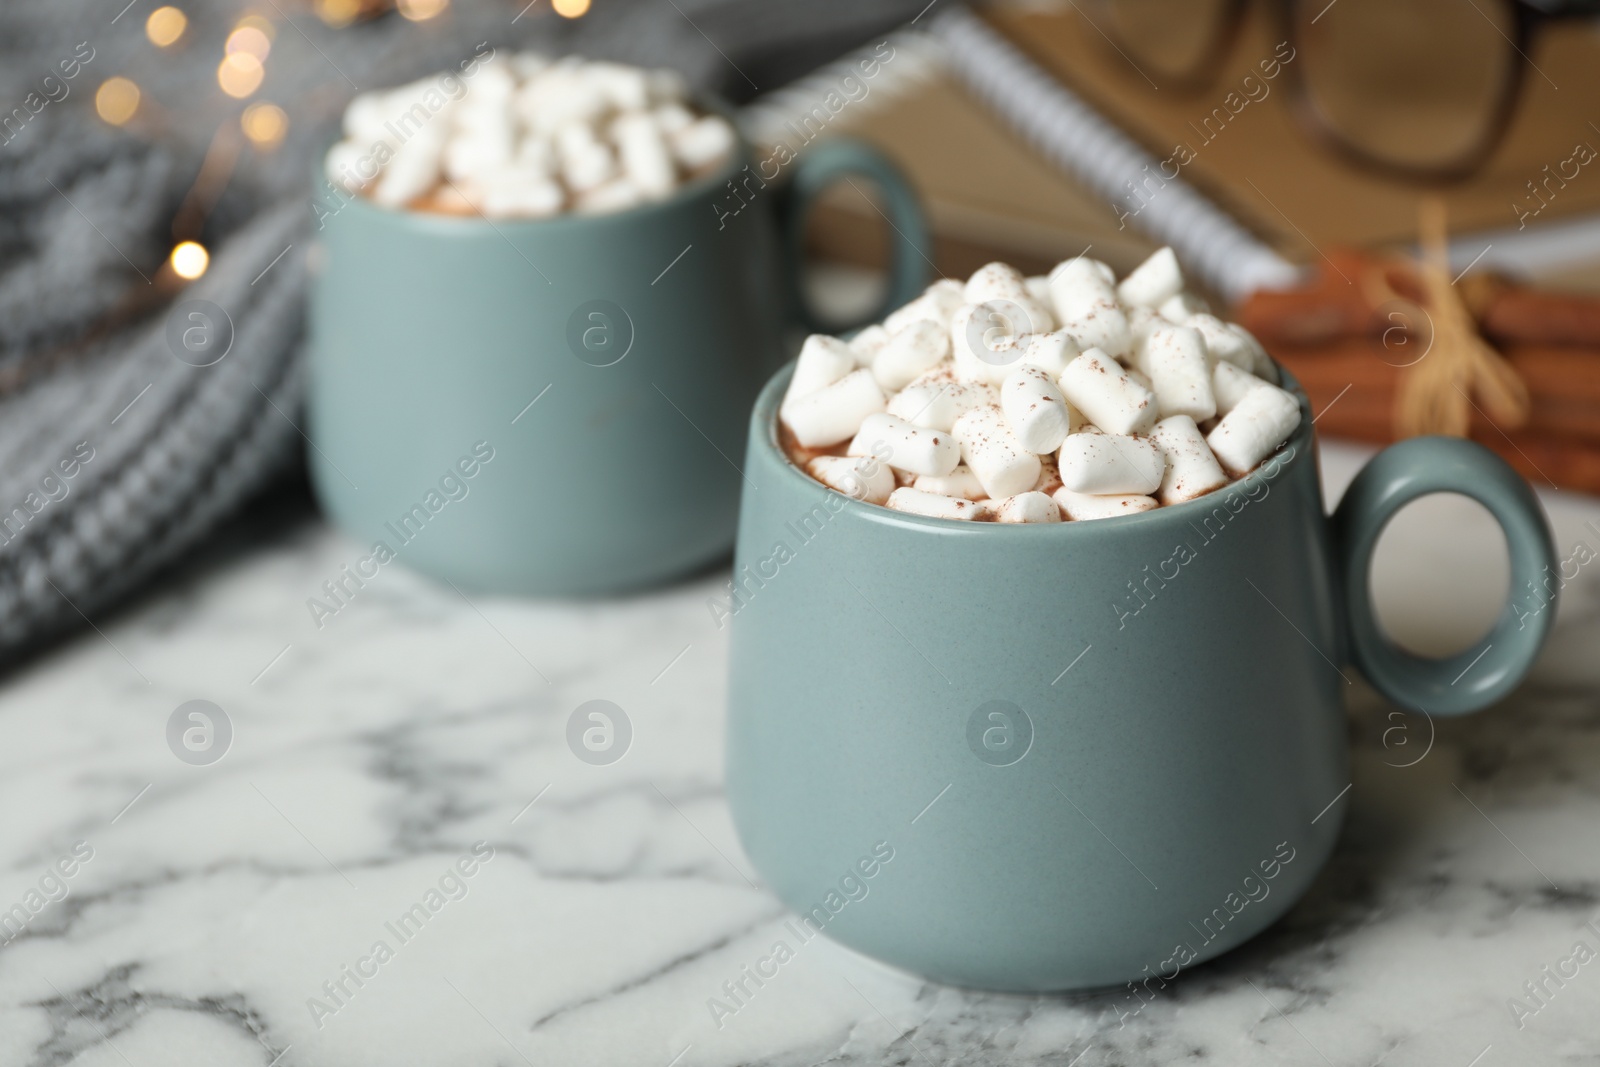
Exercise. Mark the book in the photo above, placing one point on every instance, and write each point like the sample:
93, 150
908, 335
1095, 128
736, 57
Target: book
1029, 144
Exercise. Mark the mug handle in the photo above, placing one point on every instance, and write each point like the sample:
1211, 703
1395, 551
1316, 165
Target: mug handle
1486, 672
836, 159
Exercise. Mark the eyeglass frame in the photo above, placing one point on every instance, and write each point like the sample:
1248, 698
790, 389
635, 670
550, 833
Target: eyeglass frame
1529, 17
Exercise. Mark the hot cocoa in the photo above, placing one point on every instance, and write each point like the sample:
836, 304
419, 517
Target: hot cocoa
528, 136
1012, 399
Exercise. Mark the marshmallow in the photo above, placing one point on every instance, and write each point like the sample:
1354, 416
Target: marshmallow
1262, 420
993, 452
990, 339
558, 96
616, 195
906, 446
1191, 468
537, 152
1081, 507
937, 303
474, 156
489, 91
1141, 323
1152, 282
1028, 507
624, 87
835, 412
1110, 464
364, 119
1232, 342
1038, 287
586, 163
1230, 384
1035, 410
1097, 385
1221, 343
995, 281
343, 165
933, 505
867, 343
823, 360
1050, 352
412, 171
960, 482
936, 400
1178, 307
1086, 306
1027, 316
988, 419
611, 135
703, 142
862, 477
910, 351
644, 155
1264, 367
1175, 359
1049, 479
673, 117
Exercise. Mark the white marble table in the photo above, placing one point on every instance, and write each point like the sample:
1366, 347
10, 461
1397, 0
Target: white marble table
370, 756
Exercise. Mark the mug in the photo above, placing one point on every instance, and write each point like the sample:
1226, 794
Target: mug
1060, 756
552, 406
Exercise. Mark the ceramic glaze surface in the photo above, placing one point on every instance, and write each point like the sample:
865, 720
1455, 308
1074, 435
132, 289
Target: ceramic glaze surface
1126, 728
609, 362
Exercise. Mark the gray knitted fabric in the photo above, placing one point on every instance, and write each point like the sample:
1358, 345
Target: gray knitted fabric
116, 457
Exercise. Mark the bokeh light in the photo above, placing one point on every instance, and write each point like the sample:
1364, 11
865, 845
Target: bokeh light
165, 25
240, 74
337, 13
265, 124
421, 10
190, 260
259, 22
248, 39
570, 9
116, 100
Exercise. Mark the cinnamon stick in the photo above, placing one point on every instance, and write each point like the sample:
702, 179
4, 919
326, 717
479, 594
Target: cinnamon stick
1333, 305
1565, 399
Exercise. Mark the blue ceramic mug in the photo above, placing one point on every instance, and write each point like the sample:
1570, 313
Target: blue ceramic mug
553, 406
1092, 752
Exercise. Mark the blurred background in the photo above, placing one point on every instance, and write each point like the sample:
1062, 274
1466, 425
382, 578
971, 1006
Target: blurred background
1295, 155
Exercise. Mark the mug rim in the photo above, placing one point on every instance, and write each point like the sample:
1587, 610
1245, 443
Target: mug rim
765, 433
476, 225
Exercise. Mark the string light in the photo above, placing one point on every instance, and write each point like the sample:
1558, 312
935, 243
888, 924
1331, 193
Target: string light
240, 74
190, 260
420, 10
258, 22
571, 9
250, 40
338, 13
165, 25
116, 100
265, 124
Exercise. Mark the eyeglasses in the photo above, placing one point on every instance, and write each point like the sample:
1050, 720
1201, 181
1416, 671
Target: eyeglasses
1422, 89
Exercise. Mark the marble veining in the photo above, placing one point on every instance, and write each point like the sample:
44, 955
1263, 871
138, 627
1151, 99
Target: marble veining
231, 913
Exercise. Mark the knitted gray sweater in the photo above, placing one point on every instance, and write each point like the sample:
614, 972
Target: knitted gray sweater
116, 456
